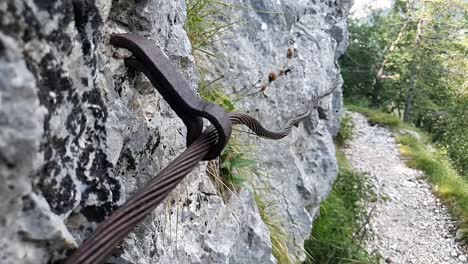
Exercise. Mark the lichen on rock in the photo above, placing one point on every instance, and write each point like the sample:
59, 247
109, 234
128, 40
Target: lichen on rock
80, 132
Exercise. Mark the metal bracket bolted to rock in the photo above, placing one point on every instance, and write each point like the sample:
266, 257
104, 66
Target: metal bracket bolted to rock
200, 145
175, 90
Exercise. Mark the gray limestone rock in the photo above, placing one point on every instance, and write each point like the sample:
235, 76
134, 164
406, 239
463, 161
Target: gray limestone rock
80, 132
300, 169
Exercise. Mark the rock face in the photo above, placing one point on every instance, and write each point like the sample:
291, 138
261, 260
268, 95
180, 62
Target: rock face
80, 133
299, 170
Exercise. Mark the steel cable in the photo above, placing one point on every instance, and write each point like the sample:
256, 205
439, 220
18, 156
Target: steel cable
113, 230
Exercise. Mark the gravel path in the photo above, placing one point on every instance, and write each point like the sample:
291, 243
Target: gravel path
409, 223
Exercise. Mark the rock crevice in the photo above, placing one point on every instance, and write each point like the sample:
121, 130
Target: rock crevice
80, 132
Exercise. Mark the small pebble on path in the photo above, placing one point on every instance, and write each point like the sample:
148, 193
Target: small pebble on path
409, 222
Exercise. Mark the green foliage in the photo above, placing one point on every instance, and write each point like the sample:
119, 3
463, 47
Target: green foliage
207, 21
233, 169
235, 165
346, 130
365, 53
279, 238
424, 41
337, 234
437, 62
455, 134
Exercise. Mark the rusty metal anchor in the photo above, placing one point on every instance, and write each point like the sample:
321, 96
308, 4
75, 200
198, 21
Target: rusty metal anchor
175, 90
205, 145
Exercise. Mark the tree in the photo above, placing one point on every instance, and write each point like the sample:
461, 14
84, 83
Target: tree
412, 62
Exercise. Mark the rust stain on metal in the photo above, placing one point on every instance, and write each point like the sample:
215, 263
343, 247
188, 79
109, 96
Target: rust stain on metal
175, 90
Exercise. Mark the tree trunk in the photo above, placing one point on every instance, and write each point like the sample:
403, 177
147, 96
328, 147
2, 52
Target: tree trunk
379, 76
410, 97
377, 88
413, 75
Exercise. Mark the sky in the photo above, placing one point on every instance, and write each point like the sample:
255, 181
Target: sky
363, 8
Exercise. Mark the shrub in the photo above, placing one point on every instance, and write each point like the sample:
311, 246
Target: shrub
346, 130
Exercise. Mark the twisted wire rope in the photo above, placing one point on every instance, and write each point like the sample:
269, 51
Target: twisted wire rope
113, 230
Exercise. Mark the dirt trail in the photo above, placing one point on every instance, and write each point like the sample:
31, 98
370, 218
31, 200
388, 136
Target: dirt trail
409, 223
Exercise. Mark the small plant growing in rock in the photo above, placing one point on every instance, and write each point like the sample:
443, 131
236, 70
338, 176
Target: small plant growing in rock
279, 238
233, 168
207, 21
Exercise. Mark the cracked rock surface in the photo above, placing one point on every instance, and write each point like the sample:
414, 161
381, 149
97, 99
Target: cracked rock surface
301, 168
410, 225
80, 132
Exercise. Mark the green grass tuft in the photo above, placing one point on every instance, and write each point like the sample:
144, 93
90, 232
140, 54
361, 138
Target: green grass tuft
234, 168
235, 164
207, 21
337, 234
377, 117
448, 184
279, 238
214, 93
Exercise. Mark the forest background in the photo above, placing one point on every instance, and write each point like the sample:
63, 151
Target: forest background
410, 61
